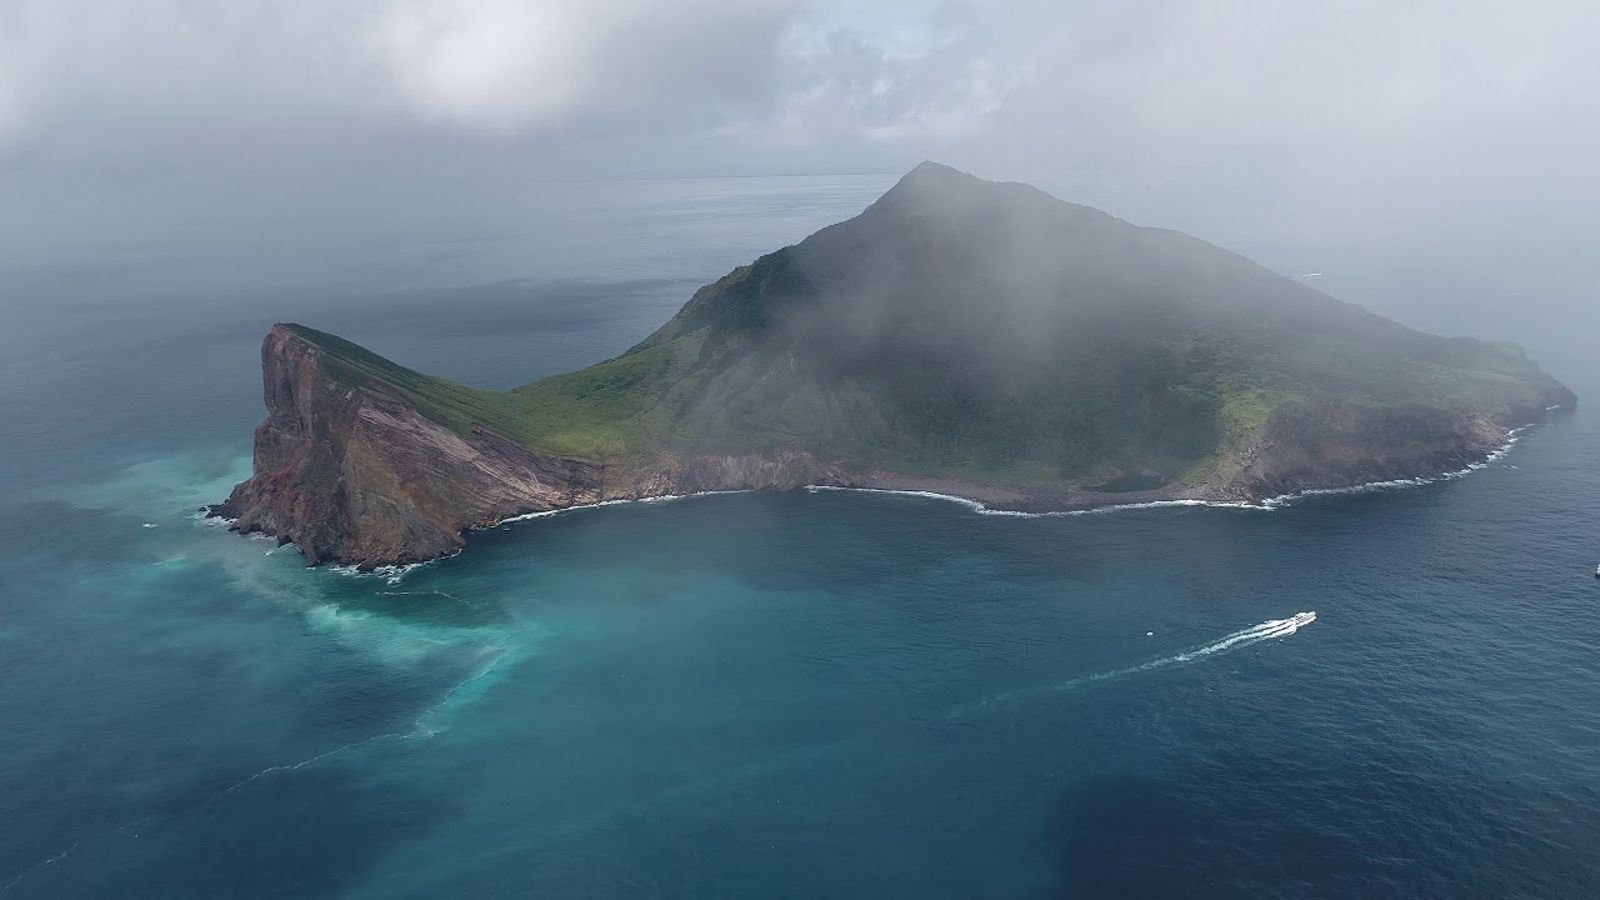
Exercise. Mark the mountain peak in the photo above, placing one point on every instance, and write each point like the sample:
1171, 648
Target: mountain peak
930, 169
929, 176
975, 338
940, 192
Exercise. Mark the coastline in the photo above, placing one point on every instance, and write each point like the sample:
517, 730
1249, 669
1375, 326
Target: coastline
981, 500
361, 476
393, 574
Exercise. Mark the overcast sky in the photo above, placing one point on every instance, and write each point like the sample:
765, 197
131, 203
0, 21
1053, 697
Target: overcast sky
764, 85
1435, 122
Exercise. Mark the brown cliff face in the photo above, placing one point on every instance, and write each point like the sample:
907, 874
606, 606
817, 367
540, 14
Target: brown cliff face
1334, 445
959, 336
357, 475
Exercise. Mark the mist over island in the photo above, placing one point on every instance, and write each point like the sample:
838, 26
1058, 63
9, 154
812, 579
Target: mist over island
799, 449
959, 336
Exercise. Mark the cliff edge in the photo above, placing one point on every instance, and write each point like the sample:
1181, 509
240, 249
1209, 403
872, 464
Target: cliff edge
349, 471
966, 337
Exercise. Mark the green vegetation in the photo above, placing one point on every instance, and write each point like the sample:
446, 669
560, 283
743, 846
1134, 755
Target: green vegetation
985, 332
454, 405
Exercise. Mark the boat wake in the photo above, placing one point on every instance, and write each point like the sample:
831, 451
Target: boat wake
1271, 629
741, 776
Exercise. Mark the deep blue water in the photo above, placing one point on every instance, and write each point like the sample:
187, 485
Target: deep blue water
828, 694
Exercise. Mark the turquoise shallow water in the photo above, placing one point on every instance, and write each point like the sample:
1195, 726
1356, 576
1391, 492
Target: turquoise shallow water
810, 694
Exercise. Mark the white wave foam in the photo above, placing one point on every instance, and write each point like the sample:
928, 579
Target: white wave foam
432, 720
1269, 630
426, 725
1160, 504
621, 501
983, 510
968, 502
1494, 456
393, 575
382, 638
1268, 504
977, 506
390, 574
210, 521
39, 865
433, 593
291, 767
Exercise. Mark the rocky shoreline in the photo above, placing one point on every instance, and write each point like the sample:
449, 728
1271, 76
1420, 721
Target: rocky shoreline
357, 476
984, 499
1009, 348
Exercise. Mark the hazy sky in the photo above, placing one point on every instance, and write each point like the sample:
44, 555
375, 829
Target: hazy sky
762, 84
1445, 129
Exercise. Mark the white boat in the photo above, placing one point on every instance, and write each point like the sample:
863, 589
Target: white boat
1284, 627
1300, 618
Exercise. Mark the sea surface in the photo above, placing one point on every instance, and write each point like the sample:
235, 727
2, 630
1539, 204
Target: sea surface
828, 694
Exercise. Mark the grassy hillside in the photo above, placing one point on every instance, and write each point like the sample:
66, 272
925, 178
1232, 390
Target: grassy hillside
982, 331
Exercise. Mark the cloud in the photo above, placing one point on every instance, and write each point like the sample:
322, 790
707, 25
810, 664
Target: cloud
508, 67
1020, 83
1146, 84
851, 85
82, 78
1433, 135
1435, 105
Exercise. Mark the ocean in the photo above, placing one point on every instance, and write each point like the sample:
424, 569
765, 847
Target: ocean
813, 694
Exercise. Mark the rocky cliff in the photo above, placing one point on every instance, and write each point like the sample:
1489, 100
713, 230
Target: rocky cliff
355, 474
960, 336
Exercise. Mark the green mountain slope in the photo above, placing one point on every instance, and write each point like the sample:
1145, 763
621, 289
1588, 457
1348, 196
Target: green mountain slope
991, 333
960, 336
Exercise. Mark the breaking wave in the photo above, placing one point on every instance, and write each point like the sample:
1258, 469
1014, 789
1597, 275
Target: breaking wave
983, 510
664, 498
1494, 456
390, 574
1266, 505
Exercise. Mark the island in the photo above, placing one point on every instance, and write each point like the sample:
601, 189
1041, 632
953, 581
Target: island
977, 339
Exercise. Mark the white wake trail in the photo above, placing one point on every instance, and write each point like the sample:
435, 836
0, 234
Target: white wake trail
1266, 631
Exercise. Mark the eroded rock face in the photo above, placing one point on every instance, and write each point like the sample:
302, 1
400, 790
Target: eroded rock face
958, 336
357, 475
1333, 445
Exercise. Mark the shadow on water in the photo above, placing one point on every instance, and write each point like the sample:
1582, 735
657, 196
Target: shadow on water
1378, 828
